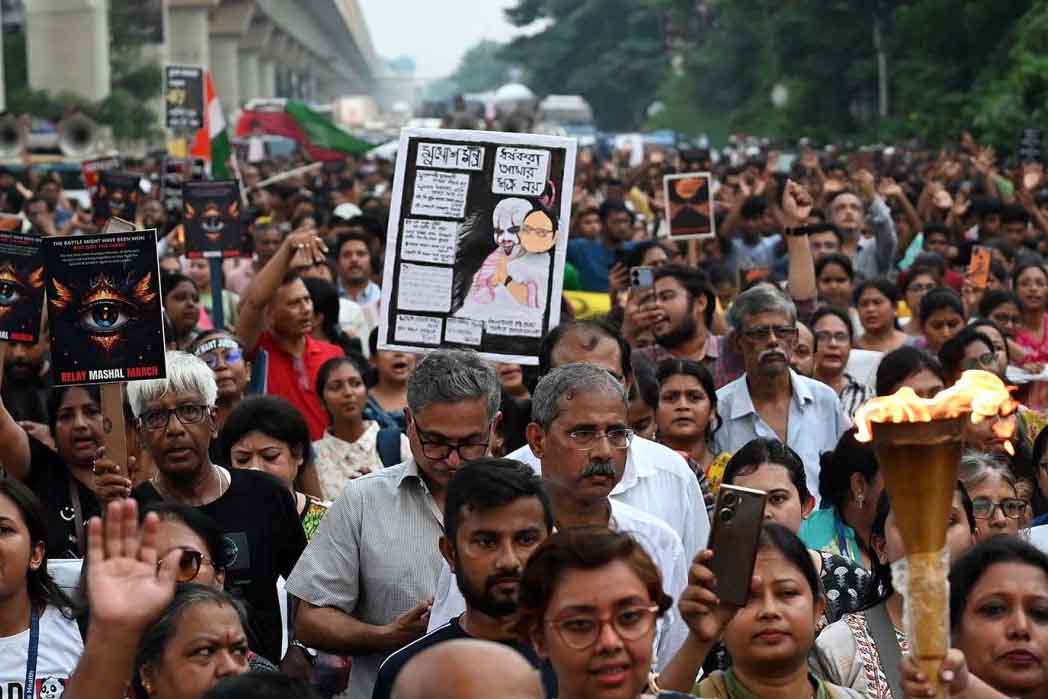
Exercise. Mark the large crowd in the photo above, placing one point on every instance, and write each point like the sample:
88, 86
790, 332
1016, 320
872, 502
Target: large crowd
303, 514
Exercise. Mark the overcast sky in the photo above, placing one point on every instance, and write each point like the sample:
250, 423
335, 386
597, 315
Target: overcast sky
434, 32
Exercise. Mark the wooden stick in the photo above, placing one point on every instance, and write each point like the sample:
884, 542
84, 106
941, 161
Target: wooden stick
114, 428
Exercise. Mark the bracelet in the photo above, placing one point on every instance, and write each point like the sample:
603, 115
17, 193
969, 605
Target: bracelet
797, 231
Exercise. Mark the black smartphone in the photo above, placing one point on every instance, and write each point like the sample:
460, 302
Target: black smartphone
737, 520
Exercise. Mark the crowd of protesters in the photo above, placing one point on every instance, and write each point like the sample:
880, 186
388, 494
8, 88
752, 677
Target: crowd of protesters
303, 514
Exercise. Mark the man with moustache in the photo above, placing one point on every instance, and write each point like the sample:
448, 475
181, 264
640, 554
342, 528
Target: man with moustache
770, 400
495, 515
580, 432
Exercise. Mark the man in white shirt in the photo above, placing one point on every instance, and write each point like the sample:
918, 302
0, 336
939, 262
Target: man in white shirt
581, 434
656, 479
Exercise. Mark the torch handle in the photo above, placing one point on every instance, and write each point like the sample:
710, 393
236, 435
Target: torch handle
927, 611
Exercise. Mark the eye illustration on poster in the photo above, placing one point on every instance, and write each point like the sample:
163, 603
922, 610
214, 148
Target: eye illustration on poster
689, 200
104, 307
21, 287
474, 257
116, 195
211, 216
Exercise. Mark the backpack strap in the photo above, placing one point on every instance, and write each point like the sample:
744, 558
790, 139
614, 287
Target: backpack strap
388, 445
883, 633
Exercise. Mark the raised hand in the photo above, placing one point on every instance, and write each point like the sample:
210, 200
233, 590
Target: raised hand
110, 483
699, 605
125, 588
865, 181
1033, 176
797, 203
307, 248
889, 188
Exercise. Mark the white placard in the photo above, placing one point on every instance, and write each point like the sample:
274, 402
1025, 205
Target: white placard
464, 330
515, 327
454, 156
417, 329
426, 240
424, 288
522, 171
440, 194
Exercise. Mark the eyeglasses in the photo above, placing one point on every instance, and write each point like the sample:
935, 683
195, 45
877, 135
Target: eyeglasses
189, 414
826, 337
987, 359
231, 356
438, 451
188, 566
920, 288
1013, 508
618, 438
763, 332
581, 632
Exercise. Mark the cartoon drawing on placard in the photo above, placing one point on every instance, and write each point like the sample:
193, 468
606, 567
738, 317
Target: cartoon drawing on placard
513, 279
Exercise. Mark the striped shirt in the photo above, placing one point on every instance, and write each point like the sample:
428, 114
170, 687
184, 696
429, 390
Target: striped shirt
375, 556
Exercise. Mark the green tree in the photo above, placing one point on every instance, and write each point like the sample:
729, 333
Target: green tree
609, 51
481, 69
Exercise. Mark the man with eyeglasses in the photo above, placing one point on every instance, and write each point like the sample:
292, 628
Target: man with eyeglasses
366, 580
176, 422
580, 432
497, 514
770, 400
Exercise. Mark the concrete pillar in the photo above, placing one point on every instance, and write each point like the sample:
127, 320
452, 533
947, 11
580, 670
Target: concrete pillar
186, 35
224, 70
249, 75
67, 46
267, 77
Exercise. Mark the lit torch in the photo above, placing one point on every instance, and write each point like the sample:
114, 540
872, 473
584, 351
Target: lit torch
918, 447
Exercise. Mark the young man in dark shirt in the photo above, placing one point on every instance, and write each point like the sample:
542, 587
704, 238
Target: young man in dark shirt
263, 534
496, 514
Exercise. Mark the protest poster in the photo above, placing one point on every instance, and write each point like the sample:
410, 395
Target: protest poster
184, 97
93, 167
103, 300
689, 205
116, 195
211, 219
476, 242
21, 286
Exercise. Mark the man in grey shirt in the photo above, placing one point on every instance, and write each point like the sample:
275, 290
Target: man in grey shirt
366, 579
852, 212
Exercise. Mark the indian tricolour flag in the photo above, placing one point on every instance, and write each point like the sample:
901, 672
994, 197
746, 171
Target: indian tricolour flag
212, 141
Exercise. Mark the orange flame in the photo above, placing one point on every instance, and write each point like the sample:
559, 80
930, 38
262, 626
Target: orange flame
980, 393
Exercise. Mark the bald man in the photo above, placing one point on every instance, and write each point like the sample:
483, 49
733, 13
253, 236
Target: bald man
468, 669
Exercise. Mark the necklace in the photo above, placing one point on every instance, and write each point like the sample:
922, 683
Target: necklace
224, 480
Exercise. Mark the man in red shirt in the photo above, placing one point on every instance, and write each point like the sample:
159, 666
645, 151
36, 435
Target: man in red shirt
276, 315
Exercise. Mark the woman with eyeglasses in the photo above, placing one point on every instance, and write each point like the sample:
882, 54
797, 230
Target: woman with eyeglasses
832, 330
917, 282
589, 601
193, 546
769, 639
995, 498
223, 353
351, 446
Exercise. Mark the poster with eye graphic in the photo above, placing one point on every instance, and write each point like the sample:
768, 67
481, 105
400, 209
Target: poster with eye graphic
103, 302
689, 205
476, 242
21, 287
116, 195
211, 217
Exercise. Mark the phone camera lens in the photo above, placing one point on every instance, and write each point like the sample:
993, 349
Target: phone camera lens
727, 515
729, 499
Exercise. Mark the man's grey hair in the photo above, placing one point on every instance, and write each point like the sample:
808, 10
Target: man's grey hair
976, 466
452, 376
186, 375
759, 299
568, 381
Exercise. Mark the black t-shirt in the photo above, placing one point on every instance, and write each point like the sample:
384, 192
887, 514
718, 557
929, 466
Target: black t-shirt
391, 667
264, 539
27, 400
58, 491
